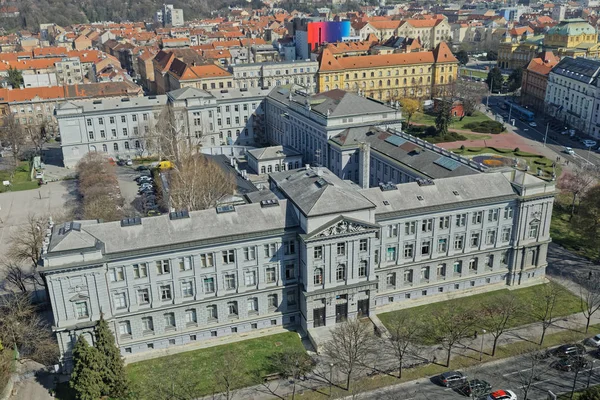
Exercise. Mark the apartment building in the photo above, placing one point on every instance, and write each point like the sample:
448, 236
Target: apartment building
388, 77
573, 94
316, 252
269, 75
535, 80
120, 127
69, 71
305, 122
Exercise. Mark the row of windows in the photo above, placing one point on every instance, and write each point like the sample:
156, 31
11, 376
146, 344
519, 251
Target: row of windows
111, 120
113, 132
340, 249
278, 167
340, 273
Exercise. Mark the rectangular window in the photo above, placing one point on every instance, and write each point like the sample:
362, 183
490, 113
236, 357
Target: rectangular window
362, 269
318, 252
488, 262
459, 242
81, 308
169, 320
148, 324
390, 255
272, 301
190, 317
508, 212
120, 300
390, 280
228, 256
409, 249
123, 119
232, 308
252, 305
230, 281
165, 292
461, 220
504, 258
250, 278
408, 276
475, 239
187, 289
473, 264
124, 131
270, 250
363, 245
424, 273
271, 274
211, 312
441, 271
124, 328
291, 298
140, 270
341, 249
533, 230
477, 217
427, 225
117, 274
442, 245
444, 222
249, 253
143, 296
493, 215
490, 236
425, 247
290, 272
185, 263
410, 228
206, 260
163, 267
209, 285
392, 230
289, 247
506, 233
458, 267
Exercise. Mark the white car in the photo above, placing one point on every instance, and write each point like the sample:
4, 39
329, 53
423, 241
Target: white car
502, 395
39, 175
532, 124
589, 143
569, 150
593, 341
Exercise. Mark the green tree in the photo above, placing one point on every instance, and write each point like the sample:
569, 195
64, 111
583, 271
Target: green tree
515, 79
113, 367
86, 378
462, 57
587, 220
494, 79
15, 77
492, 55
409, 107
443, 117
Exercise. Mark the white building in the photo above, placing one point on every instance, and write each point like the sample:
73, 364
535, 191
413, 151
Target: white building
169, 15
269, 75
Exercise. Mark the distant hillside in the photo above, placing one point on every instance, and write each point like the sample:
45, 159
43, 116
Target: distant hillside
67, 12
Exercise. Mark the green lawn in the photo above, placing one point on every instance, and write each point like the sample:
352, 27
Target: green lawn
20, 180
429, 119
563, 232
254, 357
568, 304
474, 73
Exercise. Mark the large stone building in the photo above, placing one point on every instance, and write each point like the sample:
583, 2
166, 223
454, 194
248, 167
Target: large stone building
269, 75
315, 252
574, 38
389, 77
573, 95
119, 127
535, 80
518, 47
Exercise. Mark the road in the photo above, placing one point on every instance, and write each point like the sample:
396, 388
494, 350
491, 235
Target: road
554, 140
509, 374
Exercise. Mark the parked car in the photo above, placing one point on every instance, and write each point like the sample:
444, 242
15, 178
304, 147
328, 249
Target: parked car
146, 189
532, 124
476, 387
589, 143
144, 179
569, 350
39, 175
502, 395
452, 379
153, 213
142, 168
571, 364
569, 151
129, 162
120, 162
593, 341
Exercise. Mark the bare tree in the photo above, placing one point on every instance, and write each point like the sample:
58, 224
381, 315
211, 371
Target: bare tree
98, 186
351, 346
37, 136
497, 314
293, 365
25, 244
589, 295
23, 328
402, 339
470, 93
198, 183
15, 275
544, 303
452, 324
576, 183
536, 366
12, 135
229, 373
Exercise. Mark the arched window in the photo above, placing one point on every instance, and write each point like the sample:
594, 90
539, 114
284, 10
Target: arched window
397, 82
116, 147
137, 144
276, 167
441, 79
421, 80
318, 276
262, 169
269, 168
104, 148
326, 88
126, 145
346, 86
380, 83
340, 272
389, 82
362, 269
405, 81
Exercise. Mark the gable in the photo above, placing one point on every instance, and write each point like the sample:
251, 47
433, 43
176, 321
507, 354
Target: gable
340, 227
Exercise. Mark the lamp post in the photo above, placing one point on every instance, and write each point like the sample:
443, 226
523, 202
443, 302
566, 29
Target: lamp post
483, 331
330, 378
546, 135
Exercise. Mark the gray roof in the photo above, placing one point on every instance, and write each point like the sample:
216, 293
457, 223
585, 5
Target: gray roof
300, 63
407, 153
334, 103
112, 103
161, 231
243, 186
272, 152
581, 69
469, 189
187, 92
319, 192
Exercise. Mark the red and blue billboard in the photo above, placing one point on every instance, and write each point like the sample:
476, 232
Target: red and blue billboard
326, 32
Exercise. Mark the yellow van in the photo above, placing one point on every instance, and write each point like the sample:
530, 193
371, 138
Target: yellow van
165, 165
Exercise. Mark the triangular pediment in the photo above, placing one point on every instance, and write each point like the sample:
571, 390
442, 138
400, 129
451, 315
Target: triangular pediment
78, 297
341, 226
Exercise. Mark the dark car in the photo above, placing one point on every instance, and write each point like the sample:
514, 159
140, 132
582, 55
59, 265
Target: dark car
476, 387
142, 168
452, 379
146, 189
571, 364
569, 350
121, 163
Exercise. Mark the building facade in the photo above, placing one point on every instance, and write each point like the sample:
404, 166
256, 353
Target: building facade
389, 77
535, 80
121, 127
318, 253
572, 94
269, 75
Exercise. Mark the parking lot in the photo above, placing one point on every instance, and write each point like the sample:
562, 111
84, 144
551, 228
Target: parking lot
136, 204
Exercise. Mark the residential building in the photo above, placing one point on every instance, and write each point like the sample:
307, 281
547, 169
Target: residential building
431, 32
206, 76
317, 252
269, 75
69, 71
390, 77
572, 94
119, 126
266, 160
518, 47
535, 80
169, 16
161, 64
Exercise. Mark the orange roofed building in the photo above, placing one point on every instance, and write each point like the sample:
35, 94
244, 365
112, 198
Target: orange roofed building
535, 80
390, 77
206, 76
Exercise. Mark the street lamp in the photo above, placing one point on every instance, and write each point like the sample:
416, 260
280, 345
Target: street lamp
330, 378
546, 135
483, 331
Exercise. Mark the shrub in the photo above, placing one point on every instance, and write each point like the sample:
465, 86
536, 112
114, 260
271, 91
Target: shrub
485, 126
462, 147
516, 150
